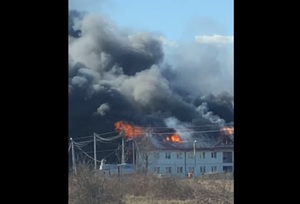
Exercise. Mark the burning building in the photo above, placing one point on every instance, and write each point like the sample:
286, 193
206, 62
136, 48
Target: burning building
201, 153
174, 151
118, 74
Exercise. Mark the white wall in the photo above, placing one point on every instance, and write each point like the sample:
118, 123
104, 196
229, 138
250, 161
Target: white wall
185, 162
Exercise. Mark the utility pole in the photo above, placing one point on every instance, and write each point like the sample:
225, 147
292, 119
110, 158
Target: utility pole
195, 157
95, 150
122, 156
133, 154
123, 150
73, 156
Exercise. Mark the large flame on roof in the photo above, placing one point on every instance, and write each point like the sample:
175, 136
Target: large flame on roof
173, 138
227, 130
130, 131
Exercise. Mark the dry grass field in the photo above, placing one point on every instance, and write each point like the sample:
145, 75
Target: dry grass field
88, 187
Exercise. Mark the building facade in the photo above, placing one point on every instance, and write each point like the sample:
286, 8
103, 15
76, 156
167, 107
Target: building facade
179, 163
203, 154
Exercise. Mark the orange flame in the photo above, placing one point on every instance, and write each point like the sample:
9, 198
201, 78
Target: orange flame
228, 130
129, 130
173, 138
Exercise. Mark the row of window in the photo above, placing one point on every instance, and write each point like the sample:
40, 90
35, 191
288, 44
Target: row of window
180, 155
168, 170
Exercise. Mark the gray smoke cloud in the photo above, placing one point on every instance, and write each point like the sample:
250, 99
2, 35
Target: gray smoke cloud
146, 87
122, 75
103, 46
201, 69
205, 113
180, 127
103, 109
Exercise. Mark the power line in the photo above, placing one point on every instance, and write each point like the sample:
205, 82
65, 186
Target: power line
110, 153
92, 157
104, 142
107, 150
83, 144
78, 138
108, 139
106, 133
86, 154
143, 127
111, 139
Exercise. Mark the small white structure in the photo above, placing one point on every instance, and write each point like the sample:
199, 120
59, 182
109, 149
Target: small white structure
113, 169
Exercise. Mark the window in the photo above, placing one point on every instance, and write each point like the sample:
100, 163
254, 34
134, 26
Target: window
156, 155
179, 169
227, 169
190, 155
202, 155
168, 155
214, 155
179, 155
202, 169
191, 169
213, 169
168, 170
227, 157
157, 169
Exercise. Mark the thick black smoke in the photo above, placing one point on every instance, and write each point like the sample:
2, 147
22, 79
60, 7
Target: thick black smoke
116, 75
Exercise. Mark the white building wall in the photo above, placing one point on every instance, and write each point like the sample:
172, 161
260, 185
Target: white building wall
186, 161
228, 163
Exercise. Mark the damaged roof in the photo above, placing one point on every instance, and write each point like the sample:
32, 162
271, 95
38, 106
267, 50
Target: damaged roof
207, 140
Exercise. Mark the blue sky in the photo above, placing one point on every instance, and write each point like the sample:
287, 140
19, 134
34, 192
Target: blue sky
176, 20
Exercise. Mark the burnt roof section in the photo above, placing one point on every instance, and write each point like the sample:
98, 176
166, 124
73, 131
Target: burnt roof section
205, 140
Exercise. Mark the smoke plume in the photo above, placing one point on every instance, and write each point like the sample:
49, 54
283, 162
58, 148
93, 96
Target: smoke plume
181, 128
103, 109
117, 75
